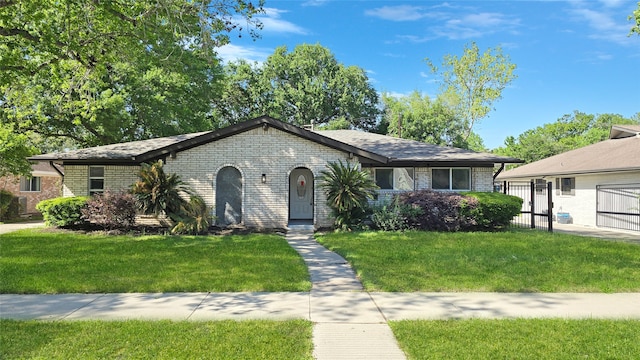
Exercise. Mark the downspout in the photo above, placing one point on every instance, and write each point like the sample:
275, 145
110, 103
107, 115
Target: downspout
498, 172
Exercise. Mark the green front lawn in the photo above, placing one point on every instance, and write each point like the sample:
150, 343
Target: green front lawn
519, 339
156, 340
511, 261
37, 261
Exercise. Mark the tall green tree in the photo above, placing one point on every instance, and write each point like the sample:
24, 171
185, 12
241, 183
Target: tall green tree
569, 132
14, 150
304, 86
100, 72
417, 117
472, 82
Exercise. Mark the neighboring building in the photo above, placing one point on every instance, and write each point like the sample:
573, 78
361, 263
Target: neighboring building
44, 183
598, 185
264, 173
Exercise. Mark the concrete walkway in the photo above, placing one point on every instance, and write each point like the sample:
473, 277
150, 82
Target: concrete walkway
349, 323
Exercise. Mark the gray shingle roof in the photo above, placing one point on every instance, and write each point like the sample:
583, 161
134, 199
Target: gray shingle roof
370, 148
606, 156
410, 150
127, 151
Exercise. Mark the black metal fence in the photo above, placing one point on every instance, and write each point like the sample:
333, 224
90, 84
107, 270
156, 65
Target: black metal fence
618, 206
537, 204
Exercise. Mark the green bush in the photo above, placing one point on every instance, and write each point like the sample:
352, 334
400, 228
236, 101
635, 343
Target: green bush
494, 210
63, 211
395, 216
9, 205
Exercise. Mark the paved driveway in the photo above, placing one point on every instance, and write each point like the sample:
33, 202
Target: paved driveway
5, 228
603, 233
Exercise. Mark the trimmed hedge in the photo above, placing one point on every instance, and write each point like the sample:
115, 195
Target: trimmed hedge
449, 211
495, 210
63, 211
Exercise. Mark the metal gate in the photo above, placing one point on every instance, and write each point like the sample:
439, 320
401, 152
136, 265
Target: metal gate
618, 206
537, 203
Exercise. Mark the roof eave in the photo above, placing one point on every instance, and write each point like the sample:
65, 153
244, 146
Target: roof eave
505, 176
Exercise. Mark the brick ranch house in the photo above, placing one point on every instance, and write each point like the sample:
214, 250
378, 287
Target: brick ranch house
264, 173
44, 182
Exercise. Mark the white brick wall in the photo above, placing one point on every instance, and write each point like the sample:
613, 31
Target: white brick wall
116, 178
256, 152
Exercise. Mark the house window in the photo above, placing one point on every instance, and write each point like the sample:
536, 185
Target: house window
394, 179
566, 186
96, 179
451, 179
541, 186
29, 184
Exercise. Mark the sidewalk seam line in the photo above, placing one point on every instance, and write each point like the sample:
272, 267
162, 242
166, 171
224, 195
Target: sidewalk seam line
82, 307
198, 306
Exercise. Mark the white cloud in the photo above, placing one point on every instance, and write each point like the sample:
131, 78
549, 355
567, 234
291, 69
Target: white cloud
232, 52
604, 24
476, 25
272, 22
397, 13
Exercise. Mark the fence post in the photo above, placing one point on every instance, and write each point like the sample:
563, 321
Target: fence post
532, 204
550, 206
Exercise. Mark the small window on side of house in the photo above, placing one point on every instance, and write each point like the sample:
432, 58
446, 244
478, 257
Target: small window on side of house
541, 186
568, 186
30, 184
96, 179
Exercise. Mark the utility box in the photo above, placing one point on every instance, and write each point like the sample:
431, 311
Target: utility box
564, 218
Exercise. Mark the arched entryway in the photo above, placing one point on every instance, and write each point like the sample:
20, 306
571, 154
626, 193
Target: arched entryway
229, 196
301, 195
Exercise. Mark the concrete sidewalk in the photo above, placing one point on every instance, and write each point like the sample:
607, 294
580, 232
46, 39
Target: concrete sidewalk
319, 307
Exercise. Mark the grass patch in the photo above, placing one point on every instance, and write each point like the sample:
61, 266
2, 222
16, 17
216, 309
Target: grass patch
156, 340
511, 261
35, 261
519, 339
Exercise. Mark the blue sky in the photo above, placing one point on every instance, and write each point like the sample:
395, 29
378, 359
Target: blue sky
570, 55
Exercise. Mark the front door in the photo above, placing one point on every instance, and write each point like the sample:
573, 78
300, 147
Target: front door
301, 194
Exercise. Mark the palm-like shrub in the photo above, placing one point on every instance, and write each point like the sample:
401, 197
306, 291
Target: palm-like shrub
348, 190
158, 193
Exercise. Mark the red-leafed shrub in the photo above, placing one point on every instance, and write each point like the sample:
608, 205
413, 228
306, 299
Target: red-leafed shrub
111, 210
441, 211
